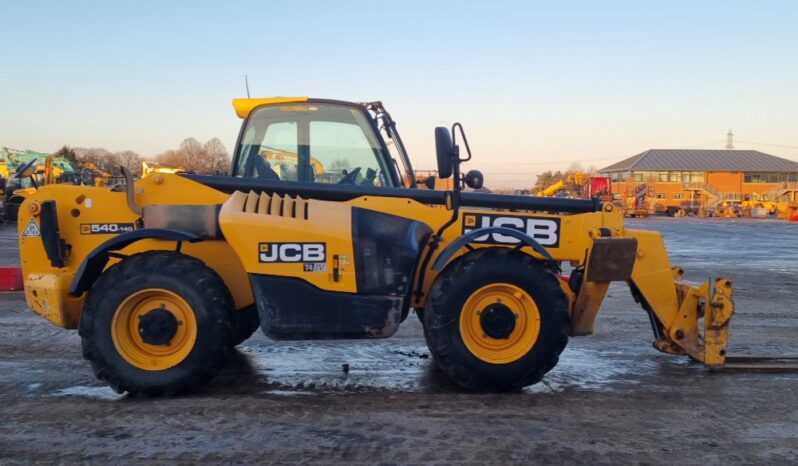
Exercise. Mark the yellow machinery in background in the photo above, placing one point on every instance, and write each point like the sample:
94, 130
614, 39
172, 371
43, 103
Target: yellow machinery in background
16, 187
150, 168
755, 208
728, 209
91, 174
566, 185
551, 189
278, 158
760, 206
163, 278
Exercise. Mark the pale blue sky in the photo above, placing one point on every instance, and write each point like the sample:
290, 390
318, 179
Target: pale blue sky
536, 84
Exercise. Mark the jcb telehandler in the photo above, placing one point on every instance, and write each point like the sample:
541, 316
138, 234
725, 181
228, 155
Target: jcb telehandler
164, 277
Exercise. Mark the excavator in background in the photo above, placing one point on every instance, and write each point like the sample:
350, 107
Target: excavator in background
11, 159
13, 189
44, 169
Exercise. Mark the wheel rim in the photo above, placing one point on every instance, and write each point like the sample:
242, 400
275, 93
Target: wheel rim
131, 336
480, 334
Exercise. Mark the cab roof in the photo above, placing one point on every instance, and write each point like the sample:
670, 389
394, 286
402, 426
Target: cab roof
245, 105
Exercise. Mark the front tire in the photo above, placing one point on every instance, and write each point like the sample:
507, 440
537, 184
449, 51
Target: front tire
157, 323
496, 319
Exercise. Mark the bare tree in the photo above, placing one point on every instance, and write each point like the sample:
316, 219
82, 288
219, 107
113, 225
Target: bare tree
218, 156
574, 167
131, 161
101, 158
193, 156
190, 155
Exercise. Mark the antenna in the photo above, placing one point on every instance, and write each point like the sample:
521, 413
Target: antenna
246, 83
730, 140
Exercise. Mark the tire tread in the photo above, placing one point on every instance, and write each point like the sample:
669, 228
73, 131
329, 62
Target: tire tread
206, 281
446, 285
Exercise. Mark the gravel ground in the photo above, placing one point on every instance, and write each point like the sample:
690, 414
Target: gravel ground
613, 398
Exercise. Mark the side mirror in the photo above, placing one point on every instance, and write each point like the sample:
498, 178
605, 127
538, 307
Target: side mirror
444, 148
474, 179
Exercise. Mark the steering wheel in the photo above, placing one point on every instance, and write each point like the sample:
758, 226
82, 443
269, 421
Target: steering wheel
350, 177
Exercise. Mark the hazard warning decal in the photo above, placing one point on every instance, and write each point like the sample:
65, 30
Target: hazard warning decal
32, 229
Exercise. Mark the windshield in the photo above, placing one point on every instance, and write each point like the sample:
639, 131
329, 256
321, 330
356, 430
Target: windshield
313, 143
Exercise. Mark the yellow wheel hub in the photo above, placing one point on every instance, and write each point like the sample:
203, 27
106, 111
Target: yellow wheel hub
499, 323
154, 329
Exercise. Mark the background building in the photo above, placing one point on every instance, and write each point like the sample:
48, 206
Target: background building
675, 178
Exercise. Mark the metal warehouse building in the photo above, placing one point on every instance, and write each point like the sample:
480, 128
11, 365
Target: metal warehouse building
672, 176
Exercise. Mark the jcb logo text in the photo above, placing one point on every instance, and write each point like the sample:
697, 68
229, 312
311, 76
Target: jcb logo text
292, 252
544, 230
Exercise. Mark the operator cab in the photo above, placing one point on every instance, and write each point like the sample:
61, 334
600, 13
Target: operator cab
320, 141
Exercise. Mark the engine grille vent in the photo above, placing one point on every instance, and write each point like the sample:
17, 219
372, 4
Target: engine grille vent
274, 204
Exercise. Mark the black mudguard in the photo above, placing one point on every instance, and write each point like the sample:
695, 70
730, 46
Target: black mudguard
94, 263
524, 239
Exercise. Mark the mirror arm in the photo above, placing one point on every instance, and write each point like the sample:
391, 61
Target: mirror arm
465, 141
458, 179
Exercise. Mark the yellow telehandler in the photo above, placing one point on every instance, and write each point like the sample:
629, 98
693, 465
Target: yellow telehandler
164, 277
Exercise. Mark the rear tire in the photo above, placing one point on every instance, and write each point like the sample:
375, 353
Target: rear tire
496, 319
157, 323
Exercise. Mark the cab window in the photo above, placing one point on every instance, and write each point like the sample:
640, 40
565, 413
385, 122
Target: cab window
315, 143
